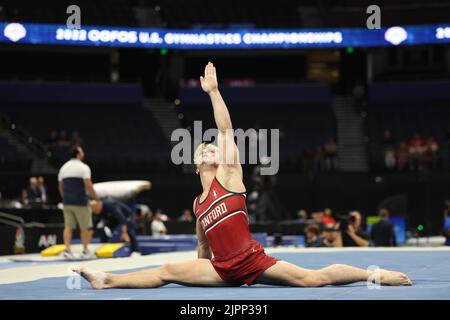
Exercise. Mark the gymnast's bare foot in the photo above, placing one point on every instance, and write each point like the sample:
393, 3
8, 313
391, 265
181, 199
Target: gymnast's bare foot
392, 278
97, 279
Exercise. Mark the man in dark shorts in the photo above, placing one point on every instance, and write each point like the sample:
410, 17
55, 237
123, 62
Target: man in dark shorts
227, 254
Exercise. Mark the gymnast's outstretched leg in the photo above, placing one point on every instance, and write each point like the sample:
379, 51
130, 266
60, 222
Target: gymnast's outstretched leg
198, 272
285, 273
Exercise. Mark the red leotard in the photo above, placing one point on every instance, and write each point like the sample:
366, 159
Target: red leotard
237, 258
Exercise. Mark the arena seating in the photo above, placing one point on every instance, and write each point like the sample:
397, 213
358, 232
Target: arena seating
306, 119
111, 133
303, 126
11, 158
404, 108
187, 14
112, 13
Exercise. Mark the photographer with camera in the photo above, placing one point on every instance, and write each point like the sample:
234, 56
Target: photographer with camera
351, 233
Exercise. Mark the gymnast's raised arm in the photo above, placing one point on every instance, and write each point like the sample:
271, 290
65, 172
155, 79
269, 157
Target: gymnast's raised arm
229, 170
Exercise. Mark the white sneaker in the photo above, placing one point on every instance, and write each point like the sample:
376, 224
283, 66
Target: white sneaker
87, 255
135, 254
68, 255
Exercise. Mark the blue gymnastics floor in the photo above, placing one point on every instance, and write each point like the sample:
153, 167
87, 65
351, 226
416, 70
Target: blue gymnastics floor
429, 271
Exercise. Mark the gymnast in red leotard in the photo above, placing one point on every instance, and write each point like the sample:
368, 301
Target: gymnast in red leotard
227, 254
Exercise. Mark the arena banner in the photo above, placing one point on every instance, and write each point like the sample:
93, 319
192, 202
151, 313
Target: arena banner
48, 34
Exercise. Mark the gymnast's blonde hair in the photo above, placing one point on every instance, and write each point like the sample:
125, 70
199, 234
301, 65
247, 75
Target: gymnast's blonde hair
198, 159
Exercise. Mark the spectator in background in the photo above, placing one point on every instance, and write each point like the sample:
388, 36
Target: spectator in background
328, 217
331, 155
416, 152
302, 216
330, 237
388, 150
21, 200
148, 219
162, 215
43, 189
388, 140
158, 227
317, 217
33, 192
186, 216
318, 159
352, 233
52, 141
389, 158
75, 139
62, 140
382, 233
313, 238
402, 156
431, 152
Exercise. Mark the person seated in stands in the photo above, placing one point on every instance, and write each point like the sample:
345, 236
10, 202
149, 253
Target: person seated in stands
331, 155
33, 191
75, 139
351, 231
302, 216
328, 217
158, 227
53, 139
148, 219
431, 152
402, 156
43, 189
62, 140
382, 233
317, 217
388, 140
416, 151
164, 217
186, 216
313, 238
389, 158
389, 150
21, 200
331, 237
115, 213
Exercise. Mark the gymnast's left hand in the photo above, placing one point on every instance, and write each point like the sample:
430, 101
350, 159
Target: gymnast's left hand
209, 80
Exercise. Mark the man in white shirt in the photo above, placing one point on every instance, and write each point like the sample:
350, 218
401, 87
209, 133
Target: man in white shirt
74, 179
158, 227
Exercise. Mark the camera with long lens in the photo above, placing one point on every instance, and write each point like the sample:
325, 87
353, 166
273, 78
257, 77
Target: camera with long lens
344, 221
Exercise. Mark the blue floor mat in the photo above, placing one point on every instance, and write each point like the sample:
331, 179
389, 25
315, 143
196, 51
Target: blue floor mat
429, 271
